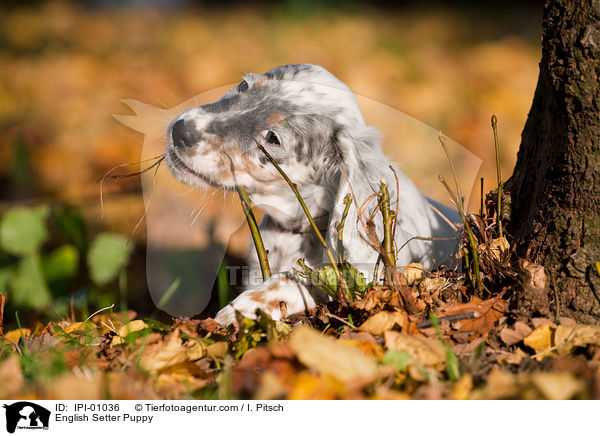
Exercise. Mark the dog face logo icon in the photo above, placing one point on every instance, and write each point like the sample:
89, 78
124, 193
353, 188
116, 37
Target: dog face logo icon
26, 415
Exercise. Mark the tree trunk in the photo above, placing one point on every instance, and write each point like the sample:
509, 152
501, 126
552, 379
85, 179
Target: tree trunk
555, 187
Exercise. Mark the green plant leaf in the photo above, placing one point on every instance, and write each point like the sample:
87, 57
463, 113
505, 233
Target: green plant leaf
23, 230
108, 254
398, 359
61, 264
28, 286
6, 275
72, 226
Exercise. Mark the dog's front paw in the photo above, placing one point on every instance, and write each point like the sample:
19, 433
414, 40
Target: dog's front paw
247, 304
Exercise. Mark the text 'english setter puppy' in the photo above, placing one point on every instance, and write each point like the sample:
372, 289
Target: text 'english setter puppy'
310, 123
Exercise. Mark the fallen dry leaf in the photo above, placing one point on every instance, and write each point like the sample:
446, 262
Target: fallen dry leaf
11, 376
132, 326
413, 272
567, 338
516, 334
487, 313
428, 352
85, 386
557, 386
377, 299
171, 351
462, 388
310, 387
185, 373
383, 321
540, 340
499, 249
343, 362
15, 335
216, 350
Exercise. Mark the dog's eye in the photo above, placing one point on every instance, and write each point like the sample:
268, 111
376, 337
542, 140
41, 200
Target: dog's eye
271, 137
242, 87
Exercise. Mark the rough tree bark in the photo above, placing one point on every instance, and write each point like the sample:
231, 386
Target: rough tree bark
555, 188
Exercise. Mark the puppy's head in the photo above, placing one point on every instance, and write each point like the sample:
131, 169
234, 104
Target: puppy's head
298, 113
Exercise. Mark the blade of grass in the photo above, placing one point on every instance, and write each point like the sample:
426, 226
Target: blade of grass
169, 293
223, 286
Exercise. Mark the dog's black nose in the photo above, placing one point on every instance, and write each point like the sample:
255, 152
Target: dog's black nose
184, 136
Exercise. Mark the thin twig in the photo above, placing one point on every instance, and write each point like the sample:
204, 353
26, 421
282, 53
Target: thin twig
395, 223
499, 202
98, 311
450, 318
340, 227
470, 235
331, 315
258, 242
123, 176
388, 243
442, 140
444, 217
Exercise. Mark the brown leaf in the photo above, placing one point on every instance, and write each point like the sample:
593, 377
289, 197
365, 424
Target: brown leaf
171, 351
512, 336
487, 313
383, 321
377, 299
186, 374
343, 362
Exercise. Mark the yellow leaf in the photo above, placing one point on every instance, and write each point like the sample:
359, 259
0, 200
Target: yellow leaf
132, 326
15, 335
217, 350
310, 387
499, 247
567, 338
383, 321
462, 388
426, 351
540, 340
195, 349
343, 362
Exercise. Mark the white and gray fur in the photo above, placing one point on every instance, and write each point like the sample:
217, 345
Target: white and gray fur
325, 147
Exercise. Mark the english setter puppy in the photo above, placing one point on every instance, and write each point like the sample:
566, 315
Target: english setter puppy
310, 123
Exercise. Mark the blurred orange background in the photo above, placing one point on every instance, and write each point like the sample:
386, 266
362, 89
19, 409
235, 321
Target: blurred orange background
65, 66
